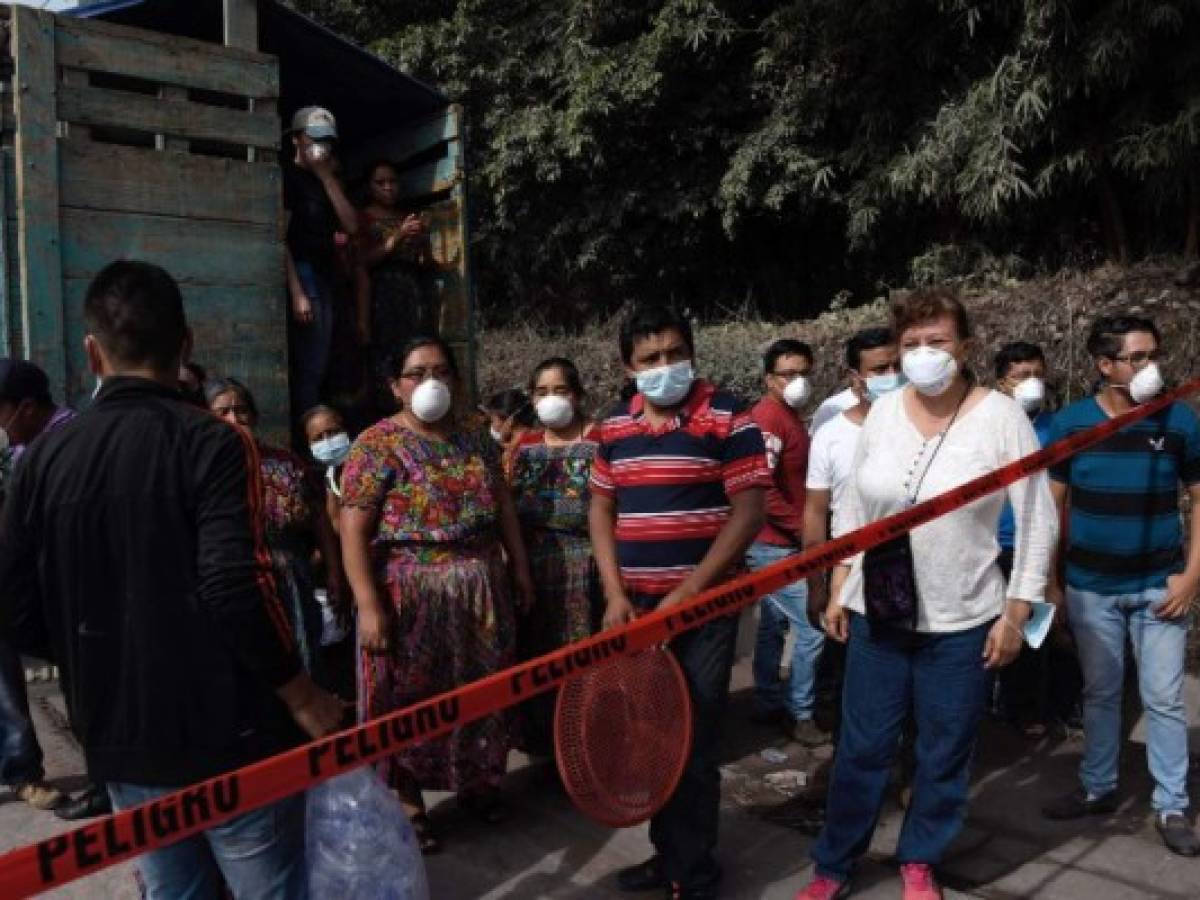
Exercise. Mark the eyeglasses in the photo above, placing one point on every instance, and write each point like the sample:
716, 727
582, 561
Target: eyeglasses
441, 373
1139, 358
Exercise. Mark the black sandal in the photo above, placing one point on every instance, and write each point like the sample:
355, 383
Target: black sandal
487, 806
427, 839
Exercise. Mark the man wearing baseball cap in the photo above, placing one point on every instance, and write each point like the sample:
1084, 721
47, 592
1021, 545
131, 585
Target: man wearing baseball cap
317, 210
26, 410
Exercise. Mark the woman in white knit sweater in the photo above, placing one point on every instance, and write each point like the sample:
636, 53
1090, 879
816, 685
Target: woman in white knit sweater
929, 615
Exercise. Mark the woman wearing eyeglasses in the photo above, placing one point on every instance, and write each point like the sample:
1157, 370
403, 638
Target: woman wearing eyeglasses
427, 522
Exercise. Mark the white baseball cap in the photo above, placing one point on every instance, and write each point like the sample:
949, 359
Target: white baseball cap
315, 121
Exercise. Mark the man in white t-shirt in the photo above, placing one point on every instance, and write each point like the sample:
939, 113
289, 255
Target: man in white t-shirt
872, 370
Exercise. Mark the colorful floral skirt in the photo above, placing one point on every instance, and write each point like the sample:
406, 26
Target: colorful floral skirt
453, 625
566, 609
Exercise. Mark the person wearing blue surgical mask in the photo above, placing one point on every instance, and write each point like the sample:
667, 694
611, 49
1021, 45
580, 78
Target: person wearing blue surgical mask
329, 444
872, 371
678, 490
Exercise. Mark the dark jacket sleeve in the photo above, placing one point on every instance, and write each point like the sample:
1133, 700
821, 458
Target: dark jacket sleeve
235, 585
22, 619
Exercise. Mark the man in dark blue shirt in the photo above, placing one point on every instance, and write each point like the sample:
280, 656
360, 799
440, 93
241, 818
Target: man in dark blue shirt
1126, 573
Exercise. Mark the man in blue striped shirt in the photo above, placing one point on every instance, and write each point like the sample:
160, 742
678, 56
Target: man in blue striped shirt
1127, 574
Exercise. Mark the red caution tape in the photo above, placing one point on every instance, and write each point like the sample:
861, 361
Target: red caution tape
76, 854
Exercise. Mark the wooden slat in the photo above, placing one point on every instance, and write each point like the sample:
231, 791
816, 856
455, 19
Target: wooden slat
173, 116
267, 108
430, 178
108, 177
241, 23
194, 251
101, 47
38, 244
167, 139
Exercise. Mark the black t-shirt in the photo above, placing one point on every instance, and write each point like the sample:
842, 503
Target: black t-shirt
313, 223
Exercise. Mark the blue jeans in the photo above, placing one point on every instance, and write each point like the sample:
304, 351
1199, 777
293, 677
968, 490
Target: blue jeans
259, 855
785, 609
20, 754
311, 343
889, 671
1100, 624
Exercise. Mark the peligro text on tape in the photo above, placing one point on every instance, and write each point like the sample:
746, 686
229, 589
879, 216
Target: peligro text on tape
105, 842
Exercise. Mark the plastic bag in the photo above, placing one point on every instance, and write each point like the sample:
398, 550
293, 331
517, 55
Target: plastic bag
360, 843
333, 629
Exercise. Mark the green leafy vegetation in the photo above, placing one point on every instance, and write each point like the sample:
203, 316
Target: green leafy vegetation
775, 154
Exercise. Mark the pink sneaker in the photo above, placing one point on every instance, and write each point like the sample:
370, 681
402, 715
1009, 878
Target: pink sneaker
919, 883
824, 888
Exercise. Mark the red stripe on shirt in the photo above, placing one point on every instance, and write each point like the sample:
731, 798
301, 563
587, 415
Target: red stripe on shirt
264, 573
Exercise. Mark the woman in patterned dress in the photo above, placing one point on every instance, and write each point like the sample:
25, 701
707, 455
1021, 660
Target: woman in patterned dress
426, 523
295, 523
550, 472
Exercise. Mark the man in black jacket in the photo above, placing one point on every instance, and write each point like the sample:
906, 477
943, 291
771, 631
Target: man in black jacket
131, 545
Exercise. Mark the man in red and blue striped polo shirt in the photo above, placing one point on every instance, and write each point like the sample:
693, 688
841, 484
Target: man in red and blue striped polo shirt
678, 489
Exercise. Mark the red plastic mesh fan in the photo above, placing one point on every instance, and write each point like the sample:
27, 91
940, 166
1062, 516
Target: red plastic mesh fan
622, 735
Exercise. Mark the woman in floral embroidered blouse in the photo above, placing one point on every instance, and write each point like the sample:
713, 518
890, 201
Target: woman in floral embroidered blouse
294, 520
550, 472
425, 514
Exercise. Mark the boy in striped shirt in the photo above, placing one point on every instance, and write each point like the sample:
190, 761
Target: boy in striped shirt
1127, 574
678, 488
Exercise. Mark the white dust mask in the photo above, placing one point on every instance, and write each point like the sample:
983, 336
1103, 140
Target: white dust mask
1031, 394
430, 401
930, 370
797, 391
1146, 384
555, 412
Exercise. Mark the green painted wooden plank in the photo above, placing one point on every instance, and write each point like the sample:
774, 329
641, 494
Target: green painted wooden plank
240, 19
38, 244
101, 47
194, 251
181, 118
430, 178
135, 180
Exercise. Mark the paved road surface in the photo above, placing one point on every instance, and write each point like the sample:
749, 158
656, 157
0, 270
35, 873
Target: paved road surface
547, 850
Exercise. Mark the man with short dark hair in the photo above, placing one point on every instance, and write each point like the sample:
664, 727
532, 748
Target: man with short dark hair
1127, 577
872, 370
26, 411
132, 545
677, 497
1042, 686
786, 367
